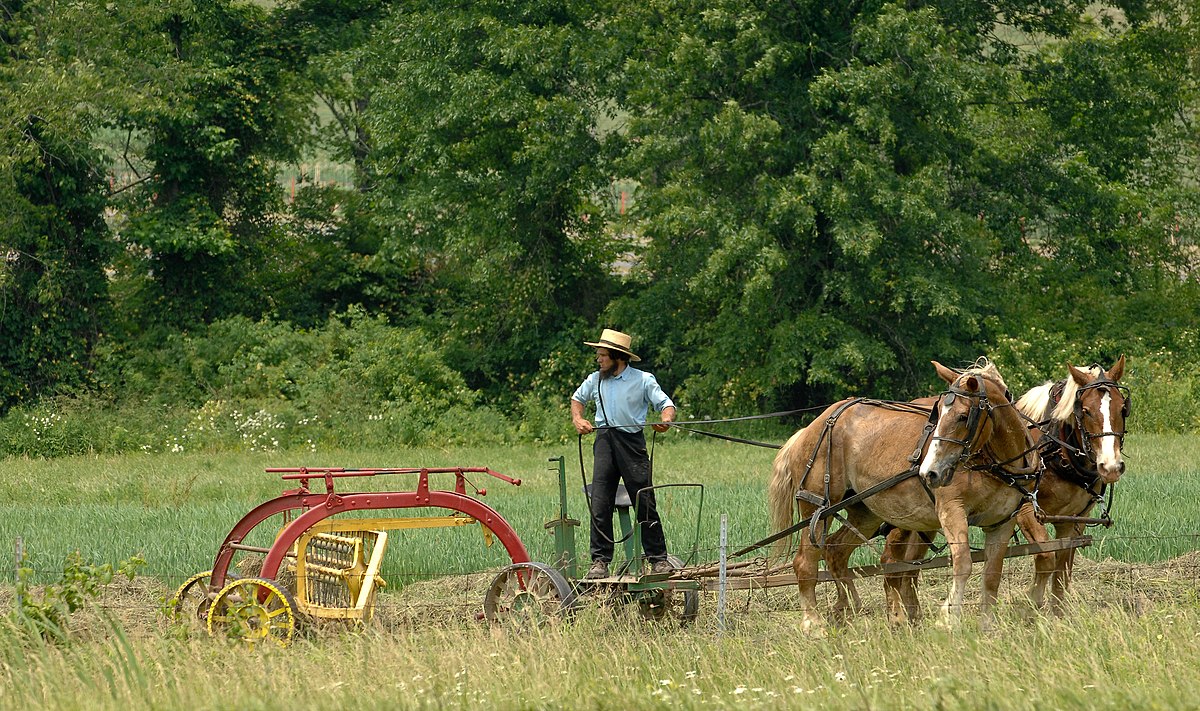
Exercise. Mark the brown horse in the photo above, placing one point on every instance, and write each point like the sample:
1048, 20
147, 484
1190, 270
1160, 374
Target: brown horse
855, 446
1081, 429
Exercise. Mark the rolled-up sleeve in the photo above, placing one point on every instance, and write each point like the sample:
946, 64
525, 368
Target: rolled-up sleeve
655, 395
586, 392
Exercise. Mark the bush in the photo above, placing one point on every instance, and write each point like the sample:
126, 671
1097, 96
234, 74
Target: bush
45, 613
243, 385
1165, 392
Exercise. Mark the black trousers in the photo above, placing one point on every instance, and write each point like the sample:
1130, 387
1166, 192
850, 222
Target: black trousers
620, 456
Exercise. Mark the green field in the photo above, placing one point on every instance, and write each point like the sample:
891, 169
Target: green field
1128, 638
174, 510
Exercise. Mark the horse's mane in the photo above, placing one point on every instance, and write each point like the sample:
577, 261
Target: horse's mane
986, 369
1036, 403
1064, 411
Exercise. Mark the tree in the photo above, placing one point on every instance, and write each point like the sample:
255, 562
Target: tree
834, 195
489, 165
54, 244
215, 114
326, 34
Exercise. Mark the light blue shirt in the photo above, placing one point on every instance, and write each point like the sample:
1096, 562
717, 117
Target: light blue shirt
621, 401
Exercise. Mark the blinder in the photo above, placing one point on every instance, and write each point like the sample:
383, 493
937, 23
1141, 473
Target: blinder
979, 408
1101, 383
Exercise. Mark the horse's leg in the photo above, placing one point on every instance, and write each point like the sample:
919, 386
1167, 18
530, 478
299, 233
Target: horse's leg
917, 548
954, 526
1044, 563
894, 550
995, 546
805, 565
900, 589
1065, 564
838, 549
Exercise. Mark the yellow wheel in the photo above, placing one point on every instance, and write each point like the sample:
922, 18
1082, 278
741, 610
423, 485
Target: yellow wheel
190, 602
253, 610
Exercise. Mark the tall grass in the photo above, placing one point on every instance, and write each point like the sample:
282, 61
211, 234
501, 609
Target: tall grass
1114, 660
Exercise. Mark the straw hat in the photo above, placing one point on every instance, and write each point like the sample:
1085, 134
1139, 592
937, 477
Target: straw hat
614, 340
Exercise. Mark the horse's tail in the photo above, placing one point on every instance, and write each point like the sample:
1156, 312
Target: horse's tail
786, 476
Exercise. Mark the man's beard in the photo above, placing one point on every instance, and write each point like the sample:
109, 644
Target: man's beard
606, 373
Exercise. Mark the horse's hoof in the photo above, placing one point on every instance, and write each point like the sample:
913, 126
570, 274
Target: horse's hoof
950, 621
814, 629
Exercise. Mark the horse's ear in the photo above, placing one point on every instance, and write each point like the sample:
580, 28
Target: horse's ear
944, 373
973, 383
1114, 373
1081, 377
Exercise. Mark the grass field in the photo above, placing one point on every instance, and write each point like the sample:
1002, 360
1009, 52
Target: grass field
1129, 638
175, 509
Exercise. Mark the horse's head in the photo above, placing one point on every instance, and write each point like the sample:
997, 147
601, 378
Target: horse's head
1097, 410
964, 419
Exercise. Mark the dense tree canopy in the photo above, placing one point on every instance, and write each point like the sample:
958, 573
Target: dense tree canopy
835, 196
826, 195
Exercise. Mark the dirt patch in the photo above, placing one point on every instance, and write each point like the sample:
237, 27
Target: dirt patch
137, 606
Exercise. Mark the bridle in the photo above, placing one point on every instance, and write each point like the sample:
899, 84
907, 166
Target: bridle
981, 409
1019, 477
1082, 457
1086, 437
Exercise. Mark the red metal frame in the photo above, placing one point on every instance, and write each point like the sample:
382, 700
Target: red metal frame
320, 506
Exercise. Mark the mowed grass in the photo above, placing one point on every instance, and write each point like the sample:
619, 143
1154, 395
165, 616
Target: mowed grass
1132, 648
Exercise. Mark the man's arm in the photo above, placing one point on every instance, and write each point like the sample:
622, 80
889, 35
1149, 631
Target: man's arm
582, 426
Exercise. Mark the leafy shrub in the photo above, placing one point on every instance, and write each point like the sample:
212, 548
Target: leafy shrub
245, 385
45, 613
1165, 391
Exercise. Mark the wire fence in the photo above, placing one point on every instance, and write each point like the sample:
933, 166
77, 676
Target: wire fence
455, 597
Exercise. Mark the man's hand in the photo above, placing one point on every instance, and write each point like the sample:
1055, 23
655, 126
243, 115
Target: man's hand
668, 415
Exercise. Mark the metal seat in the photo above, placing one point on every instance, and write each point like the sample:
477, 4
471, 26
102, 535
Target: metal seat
623, 501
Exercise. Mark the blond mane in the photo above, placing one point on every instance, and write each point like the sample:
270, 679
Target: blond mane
1065, 410
987, 369
1036, 403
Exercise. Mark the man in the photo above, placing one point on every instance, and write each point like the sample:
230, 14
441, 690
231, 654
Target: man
622, 395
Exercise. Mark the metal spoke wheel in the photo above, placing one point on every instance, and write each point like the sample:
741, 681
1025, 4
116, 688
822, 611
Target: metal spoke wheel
189, 604
667, 604
253, 610
532, 592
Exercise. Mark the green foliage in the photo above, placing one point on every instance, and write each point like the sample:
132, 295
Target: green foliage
330, 253
54, 244
1166, 384
46, 612
832, 199
245, 385
828, 197
201, 222
490, 162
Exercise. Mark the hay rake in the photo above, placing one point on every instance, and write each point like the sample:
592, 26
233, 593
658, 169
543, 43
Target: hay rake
321, 567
